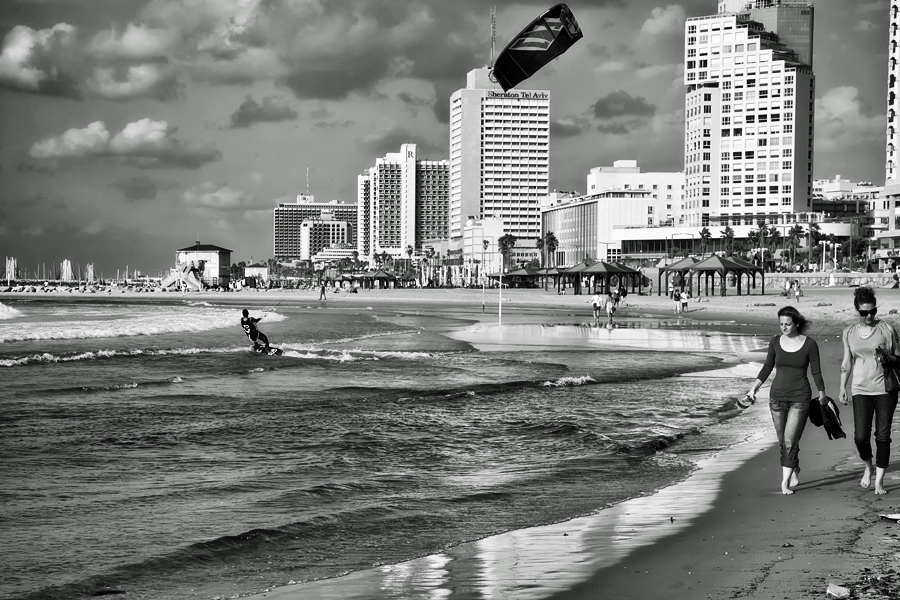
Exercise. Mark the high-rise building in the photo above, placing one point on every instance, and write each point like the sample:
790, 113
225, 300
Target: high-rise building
892, 169
402, 201
749, 111
290, 216
499, 155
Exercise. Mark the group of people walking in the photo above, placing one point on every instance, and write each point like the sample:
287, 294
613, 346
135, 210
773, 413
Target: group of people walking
606, 303
871, 352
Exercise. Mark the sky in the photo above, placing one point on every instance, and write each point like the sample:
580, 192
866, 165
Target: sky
132, 128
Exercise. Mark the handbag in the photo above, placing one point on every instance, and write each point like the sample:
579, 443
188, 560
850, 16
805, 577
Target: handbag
891, 379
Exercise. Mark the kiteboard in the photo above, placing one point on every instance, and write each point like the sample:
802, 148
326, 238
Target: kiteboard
891, 517
273, 351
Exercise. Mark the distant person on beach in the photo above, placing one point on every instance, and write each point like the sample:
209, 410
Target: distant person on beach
868, 346
797, 291
256, 336
685, 298
793, 353
610, 308
322, 292
597, 304
676, 298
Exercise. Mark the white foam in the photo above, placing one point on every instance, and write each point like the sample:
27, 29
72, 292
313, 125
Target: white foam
7, 312
102, 322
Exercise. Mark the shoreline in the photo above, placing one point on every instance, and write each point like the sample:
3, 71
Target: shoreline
749, 541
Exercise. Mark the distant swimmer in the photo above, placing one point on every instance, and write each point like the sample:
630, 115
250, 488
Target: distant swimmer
255, 335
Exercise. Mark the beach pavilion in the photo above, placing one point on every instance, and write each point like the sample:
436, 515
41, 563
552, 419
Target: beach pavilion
681, 268
706, 271
607, 271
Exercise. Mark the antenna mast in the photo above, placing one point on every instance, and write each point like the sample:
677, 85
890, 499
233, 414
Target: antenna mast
307, 180
493, 30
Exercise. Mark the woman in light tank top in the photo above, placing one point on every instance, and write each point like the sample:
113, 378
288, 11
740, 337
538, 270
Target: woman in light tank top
870, 400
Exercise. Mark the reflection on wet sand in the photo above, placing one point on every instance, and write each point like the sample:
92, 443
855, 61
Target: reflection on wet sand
648, 335
536, 563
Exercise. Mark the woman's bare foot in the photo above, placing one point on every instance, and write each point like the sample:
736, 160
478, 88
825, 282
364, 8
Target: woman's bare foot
866, 480
879, 481
787, 473
795, 480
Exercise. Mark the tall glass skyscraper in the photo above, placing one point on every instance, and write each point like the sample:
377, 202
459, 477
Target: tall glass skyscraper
749, 112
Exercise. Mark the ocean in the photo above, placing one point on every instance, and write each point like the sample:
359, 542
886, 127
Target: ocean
145, 449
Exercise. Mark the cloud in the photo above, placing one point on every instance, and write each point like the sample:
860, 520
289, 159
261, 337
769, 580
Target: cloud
137, 43
147, 80
38, 61
622, 104
144, 143
865, 26
568, 127
841, 122
140, 187
381, 142
619, 112
217, 197
662, 21
269, 110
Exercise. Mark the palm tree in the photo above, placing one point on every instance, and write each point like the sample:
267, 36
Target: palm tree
506, 243
551, 243
795, 234
705, 235
539, 244
355, 260
409, 253
728, 236
774, 237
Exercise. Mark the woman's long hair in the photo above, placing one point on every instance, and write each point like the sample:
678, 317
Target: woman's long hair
798, 319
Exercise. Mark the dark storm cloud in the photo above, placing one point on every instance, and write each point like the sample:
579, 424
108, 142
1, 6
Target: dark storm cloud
613, 128
622, 104
140, 187
412, 100
269, 110
567, 128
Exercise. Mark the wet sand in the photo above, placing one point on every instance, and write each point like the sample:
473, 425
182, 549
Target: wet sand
726, 531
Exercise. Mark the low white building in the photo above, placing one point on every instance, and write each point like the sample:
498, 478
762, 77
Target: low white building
665, 189
213, 262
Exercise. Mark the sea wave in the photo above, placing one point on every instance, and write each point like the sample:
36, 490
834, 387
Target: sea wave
8, 312
146, 321
570, 381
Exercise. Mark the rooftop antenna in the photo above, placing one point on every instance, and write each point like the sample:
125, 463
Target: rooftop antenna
493, 32
307, 179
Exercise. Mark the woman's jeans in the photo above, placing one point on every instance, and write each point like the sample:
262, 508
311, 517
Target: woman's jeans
882, 408
789, 419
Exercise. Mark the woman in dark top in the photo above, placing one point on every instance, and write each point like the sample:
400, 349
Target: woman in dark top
789, 397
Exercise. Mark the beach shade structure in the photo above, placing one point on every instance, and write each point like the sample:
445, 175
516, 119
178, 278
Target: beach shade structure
722, 266
380, 275
572, 276
604, 272
522, 275
549, 272
751, 272
681, 269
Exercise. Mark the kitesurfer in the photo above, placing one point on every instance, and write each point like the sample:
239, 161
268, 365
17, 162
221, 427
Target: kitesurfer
248, 323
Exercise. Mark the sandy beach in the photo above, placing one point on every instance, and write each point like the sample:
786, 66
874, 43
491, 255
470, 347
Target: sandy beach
725, 532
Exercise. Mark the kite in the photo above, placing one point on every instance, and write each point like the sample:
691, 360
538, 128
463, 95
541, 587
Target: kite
548, 36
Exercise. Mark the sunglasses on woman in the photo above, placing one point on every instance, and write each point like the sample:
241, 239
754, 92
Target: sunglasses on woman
866, 313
